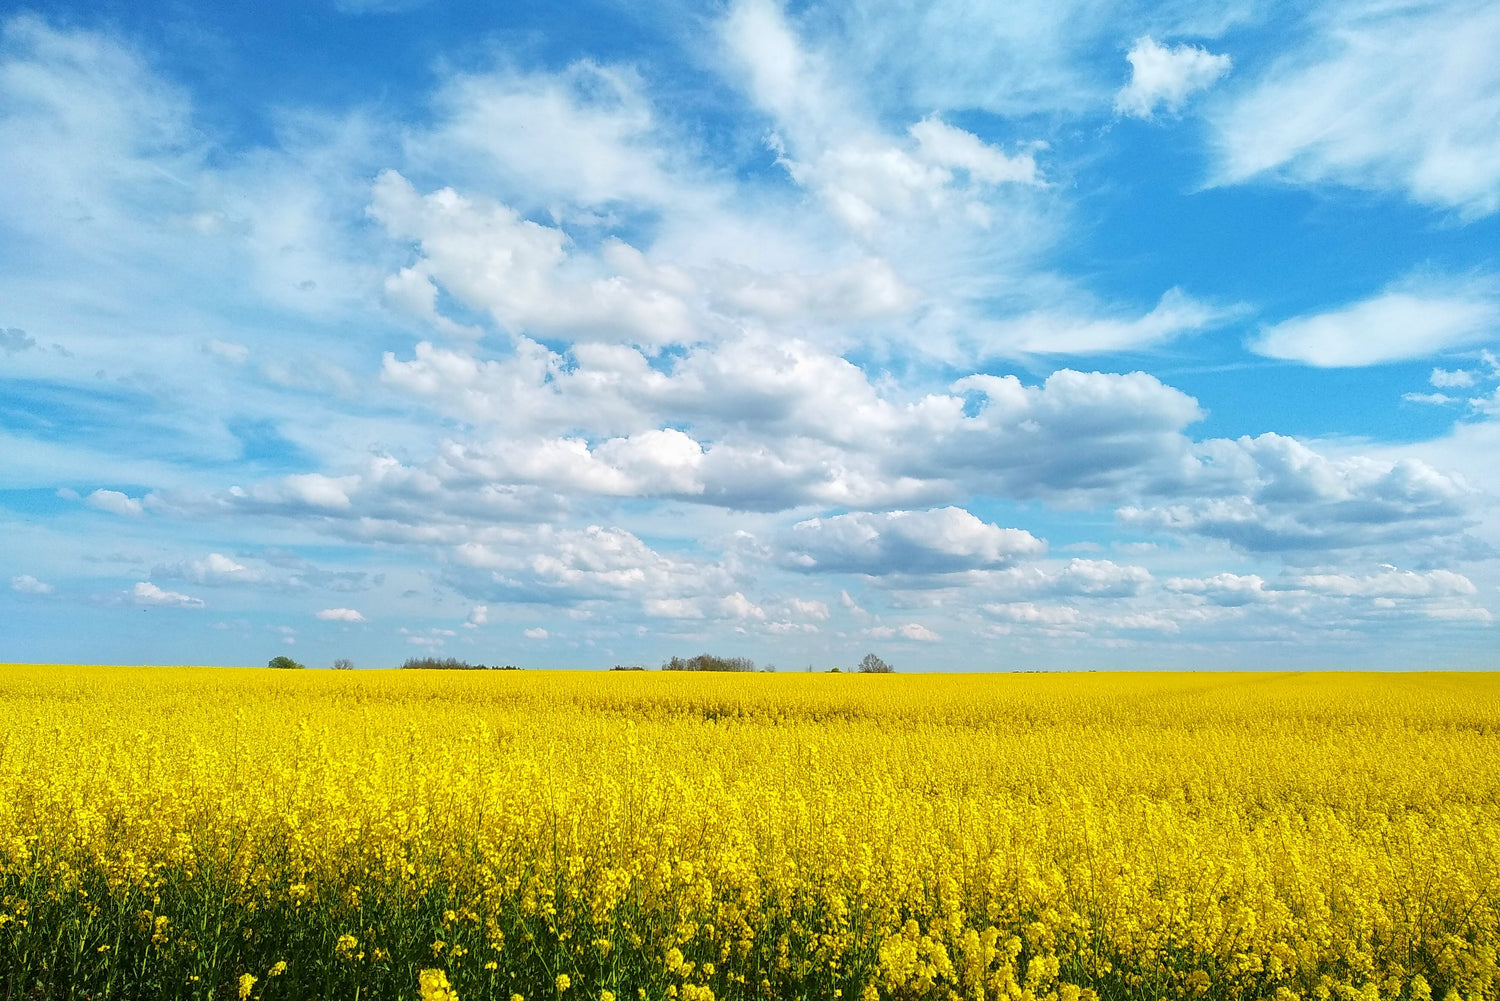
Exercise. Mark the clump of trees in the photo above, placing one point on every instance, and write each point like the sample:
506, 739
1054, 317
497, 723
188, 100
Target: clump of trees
627, 667
451, 664
874, 665
708, 662
343, 664
284, 663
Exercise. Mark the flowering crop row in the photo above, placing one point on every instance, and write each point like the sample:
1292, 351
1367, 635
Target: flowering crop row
198, 833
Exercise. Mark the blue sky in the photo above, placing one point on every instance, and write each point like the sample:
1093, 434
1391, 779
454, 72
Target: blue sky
1037, 335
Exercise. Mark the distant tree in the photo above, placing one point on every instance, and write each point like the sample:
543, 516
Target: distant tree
451, 664
708, 662
343, 664
627, 667
874, 665
285, 664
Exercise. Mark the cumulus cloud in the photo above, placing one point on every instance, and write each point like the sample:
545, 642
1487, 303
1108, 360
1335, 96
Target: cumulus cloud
1228, 589
1030, 613
537, 633
1388, 582
27, 584
1413, 319
785, 423
1165, 77
522, 272
307, 492
808, 609
1275, 494
910, 631
1099, 579
548, 565
115, 502
1386, 97
945, 540
737, 606
761, 425
1445, 379
146, 593
215, 568
340, 615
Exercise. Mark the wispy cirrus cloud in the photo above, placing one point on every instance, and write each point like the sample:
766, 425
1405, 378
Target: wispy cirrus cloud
1387, 97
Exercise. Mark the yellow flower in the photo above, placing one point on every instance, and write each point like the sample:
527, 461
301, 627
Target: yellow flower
345, 946
247, 983
278, 969
434, 986
563, 982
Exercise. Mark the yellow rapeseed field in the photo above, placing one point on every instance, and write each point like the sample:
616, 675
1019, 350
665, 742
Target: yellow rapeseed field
626, 836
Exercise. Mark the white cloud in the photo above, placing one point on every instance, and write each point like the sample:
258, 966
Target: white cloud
340, 615
1274, 494
1162, 76
305, 492
523, 273
947, 146
1445, 379
1430, 399
593, 138
146, 593
1038, 58
479, 615
945, 540
1029, 613
782, 423
737, 606
548, 565
910, 630
1050, 332
215, 568
1389, 582
537, 633
1388, 97
1414, 319
27, 584
115, 502
1229, 589
672, 608
808, 609
1099, 579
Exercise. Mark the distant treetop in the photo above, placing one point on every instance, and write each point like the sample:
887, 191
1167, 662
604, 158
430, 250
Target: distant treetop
450, 664
708, 662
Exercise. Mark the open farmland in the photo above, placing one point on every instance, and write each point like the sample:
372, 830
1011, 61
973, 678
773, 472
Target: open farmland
235, 833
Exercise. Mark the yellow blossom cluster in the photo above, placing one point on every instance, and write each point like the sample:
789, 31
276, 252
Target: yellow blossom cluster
197, 833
